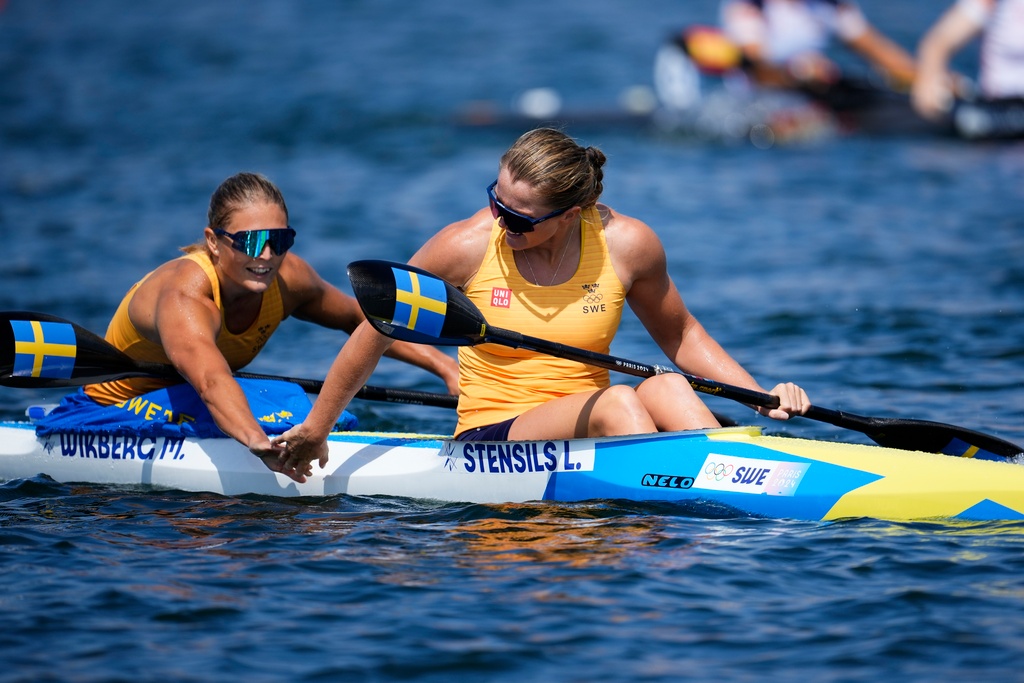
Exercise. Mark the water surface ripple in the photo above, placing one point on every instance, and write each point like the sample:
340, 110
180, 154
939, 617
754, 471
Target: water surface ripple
884, 274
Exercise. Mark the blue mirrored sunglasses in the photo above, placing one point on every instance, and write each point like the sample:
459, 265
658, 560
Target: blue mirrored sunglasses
515, 221
251, 242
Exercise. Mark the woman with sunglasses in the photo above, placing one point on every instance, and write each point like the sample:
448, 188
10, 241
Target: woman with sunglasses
210, 312
547, 259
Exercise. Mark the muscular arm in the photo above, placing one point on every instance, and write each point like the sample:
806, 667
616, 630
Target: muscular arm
309, 297
886, 55
640, 260
351, 367
933, 88
452, 247
190, 344
657, 303
455, 252
175, 308
746, 24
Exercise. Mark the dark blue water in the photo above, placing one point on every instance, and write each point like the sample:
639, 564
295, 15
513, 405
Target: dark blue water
884, 274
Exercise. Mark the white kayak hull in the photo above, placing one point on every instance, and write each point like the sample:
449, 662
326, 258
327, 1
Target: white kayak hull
729, 471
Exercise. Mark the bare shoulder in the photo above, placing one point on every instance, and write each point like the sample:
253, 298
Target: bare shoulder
308, 295
635, 249
456, 251
297, 274
182, 277
176, 288
303, 290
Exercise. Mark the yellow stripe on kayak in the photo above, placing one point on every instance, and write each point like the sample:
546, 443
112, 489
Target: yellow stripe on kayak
914, 485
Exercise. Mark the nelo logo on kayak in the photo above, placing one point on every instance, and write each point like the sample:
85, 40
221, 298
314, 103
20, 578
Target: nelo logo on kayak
666, 481
750, 475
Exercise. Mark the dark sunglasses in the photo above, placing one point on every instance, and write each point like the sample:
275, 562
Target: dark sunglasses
251, 242
515, 221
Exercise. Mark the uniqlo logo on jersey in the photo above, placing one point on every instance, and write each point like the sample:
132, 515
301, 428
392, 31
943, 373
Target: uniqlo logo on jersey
501, 297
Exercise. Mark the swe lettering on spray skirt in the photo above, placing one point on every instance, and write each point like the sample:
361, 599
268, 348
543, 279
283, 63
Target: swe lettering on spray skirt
148, 410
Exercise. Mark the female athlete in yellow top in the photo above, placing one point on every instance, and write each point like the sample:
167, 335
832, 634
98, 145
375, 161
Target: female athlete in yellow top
547, 259
211, 311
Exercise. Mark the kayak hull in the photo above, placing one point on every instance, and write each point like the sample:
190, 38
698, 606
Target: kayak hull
730, 471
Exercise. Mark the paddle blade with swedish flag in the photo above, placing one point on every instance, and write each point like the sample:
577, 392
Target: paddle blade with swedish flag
39, 350
409, 304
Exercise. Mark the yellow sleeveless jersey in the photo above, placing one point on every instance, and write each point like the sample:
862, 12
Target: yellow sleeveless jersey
498, 383
238, 349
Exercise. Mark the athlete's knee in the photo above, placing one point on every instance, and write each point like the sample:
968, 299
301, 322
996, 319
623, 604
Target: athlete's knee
667, 387
673, 404
622, 397
620, 411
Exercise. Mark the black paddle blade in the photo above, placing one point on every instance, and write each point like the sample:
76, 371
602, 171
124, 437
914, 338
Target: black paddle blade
39, 350
409, 304
936, 437
920, 435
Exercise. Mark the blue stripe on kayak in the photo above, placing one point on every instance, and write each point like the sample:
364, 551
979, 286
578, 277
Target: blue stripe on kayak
989, 510
618, 473
434, 441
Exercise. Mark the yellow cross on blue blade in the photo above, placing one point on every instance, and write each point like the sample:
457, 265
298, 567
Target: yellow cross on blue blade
421, 302
43, 349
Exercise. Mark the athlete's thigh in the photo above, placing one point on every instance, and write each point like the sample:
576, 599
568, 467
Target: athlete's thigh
560, 418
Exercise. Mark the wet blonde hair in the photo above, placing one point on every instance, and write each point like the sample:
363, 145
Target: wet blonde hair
564, 173
237, 192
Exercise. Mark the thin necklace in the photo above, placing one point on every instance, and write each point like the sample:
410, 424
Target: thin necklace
558, 267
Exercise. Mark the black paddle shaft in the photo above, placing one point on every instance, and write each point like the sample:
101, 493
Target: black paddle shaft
94, 360
630, 367
891, 432
376, 289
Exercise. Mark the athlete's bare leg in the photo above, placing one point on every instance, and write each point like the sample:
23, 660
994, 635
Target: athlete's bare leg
673, 404
660, 403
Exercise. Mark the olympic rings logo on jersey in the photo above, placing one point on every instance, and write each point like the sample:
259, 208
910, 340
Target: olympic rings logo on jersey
717, 471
